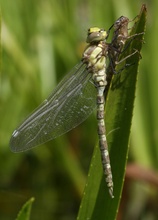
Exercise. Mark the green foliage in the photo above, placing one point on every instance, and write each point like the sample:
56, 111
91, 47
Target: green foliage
25, 211
97, 203
41, 42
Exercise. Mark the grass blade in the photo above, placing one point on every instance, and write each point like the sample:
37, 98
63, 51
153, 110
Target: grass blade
24, 213
96, 202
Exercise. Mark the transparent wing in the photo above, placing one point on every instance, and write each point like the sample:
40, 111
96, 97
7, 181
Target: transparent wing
68, 105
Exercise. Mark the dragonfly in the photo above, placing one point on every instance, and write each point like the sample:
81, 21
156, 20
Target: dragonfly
76, 96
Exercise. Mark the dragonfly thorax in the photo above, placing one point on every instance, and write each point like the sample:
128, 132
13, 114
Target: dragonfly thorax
95, 56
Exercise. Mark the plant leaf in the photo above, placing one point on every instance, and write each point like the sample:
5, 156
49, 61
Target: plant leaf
24, 213
96, 202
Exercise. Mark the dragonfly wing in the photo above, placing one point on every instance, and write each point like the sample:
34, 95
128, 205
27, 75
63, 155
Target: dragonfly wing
68, 105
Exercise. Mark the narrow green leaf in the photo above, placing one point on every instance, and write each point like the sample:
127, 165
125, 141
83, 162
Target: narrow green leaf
24, 213
96, 202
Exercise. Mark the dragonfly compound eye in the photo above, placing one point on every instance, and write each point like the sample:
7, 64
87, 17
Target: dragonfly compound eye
96, 34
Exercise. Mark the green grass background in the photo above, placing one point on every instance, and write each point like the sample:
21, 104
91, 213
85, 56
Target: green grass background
41, 42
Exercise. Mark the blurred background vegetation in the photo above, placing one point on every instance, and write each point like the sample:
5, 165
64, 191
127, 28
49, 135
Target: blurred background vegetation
41, 42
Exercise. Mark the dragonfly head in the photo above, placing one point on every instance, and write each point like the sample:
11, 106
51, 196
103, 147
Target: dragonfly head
121, 22
96, 34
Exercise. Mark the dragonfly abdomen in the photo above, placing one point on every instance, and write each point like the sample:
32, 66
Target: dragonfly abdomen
102, 139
